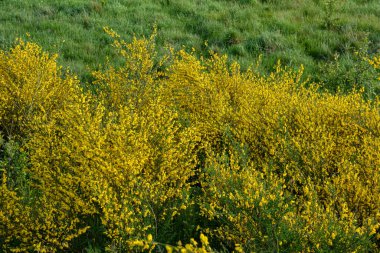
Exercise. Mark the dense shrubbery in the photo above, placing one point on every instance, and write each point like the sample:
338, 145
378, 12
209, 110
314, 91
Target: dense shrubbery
165, 150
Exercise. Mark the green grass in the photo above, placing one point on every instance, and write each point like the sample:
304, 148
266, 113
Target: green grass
308, 32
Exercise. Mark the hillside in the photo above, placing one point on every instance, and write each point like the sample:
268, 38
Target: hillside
140, 126
322, 35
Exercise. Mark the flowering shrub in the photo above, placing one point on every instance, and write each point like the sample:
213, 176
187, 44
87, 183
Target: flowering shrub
35, 213
375, 62
174, 148
322, 150
30, 85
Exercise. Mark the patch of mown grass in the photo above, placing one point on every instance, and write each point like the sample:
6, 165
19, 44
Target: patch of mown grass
309, 32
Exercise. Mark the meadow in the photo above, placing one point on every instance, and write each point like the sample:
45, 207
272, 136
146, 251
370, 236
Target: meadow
322, 35
123, 130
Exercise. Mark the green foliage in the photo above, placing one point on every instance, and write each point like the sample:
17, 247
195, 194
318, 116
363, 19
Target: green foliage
307, 32
347, 72
13, 166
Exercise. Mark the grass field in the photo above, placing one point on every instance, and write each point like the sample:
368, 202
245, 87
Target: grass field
320, 34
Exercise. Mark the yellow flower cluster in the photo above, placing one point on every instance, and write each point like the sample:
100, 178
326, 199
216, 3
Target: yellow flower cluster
374, 62
30, 85
31, 90
193, 246
320, 149
268, 163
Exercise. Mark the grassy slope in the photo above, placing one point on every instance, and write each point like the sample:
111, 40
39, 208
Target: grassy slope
308, 32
